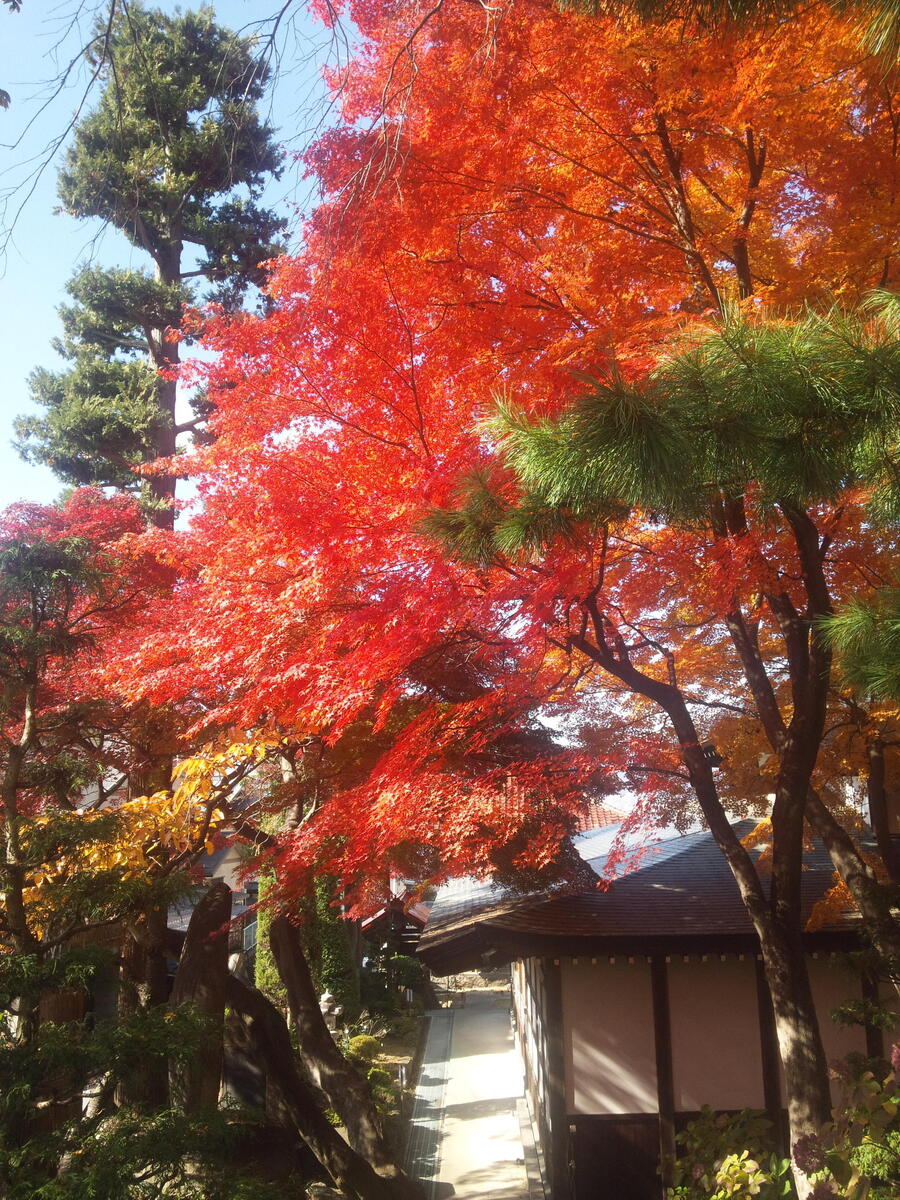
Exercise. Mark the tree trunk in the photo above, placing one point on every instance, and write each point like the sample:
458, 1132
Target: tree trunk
870, 896
776, 920
201, 980
878, 808
144, 986
799, 1041
165, 355
269, 1035
348, 1093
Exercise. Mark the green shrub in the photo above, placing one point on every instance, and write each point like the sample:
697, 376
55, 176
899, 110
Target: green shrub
856, 1156
729, 1158
363, 1048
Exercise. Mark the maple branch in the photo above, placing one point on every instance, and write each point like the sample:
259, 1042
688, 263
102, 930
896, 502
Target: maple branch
756, 164
646, 640
682, 210
190, 426
419, 425
723, 704
659, 771
711, 191
601, 175
324, 409
672, 702
745, 639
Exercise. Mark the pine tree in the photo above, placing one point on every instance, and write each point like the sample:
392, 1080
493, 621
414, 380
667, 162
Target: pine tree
752, 447
174, 157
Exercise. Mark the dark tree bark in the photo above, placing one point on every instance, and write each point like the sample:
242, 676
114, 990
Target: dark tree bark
776, 916
347, 1092
268, 1034
797, 743
201, 980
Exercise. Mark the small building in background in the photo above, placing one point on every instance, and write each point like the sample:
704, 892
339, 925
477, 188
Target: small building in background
639, 1003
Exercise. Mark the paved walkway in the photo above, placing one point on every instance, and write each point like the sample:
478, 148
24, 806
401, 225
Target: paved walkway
470, 1138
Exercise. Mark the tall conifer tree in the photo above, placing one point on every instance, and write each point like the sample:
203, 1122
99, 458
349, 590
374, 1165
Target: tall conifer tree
174, 157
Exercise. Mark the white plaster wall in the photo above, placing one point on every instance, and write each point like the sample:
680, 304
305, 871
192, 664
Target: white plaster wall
608, 1037
716, 1053
833, 985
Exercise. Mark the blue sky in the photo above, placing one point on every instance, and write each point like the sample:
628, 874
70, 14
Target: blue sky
46, 247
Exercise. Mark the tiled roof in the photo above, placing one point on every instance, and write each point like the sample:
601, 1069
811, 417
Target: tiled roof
598, 815
682, 890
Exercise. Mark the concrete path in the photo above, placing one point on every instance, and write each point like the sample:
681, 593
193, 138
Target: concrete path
470, 1138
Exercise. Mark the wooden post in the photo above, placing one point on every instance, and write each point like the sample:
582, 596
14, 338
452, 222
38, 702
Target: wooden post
557, 1152
874, 1034
665, 1077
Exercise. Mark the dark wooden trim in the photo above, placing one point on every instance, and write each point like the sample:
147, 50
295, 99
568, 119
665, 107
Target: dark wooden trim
665, 1076
462, 948
557, 1151
614, 1118
770, 1054
874, 1034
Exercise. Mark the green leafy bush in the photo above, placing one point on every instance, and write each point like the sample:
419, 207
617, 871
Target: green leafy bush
363, 1048
860, 1149
379, 1078
729, 1158
856, 1156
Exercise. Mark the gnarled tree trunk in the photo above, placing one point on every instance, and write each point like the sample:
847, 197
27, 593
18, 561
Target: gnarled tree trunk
348, 1093
269, 1036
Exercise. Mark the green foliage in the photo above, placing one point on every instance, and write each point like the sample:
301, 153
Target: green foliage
113, 308
861, 1146
332, 960
709, 12
856, 1155
59, 1062
728, 1157
103, 419
175, 135
363, 1048
174, 155
879, 19
866, 639
265, 971
140, 1156
119, 1153
40, 583
31, 974
781, 413
404, 971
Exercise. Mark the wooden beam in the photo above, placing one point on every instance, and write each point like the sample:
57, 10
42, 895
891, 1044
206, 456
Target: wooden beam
665, 1075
